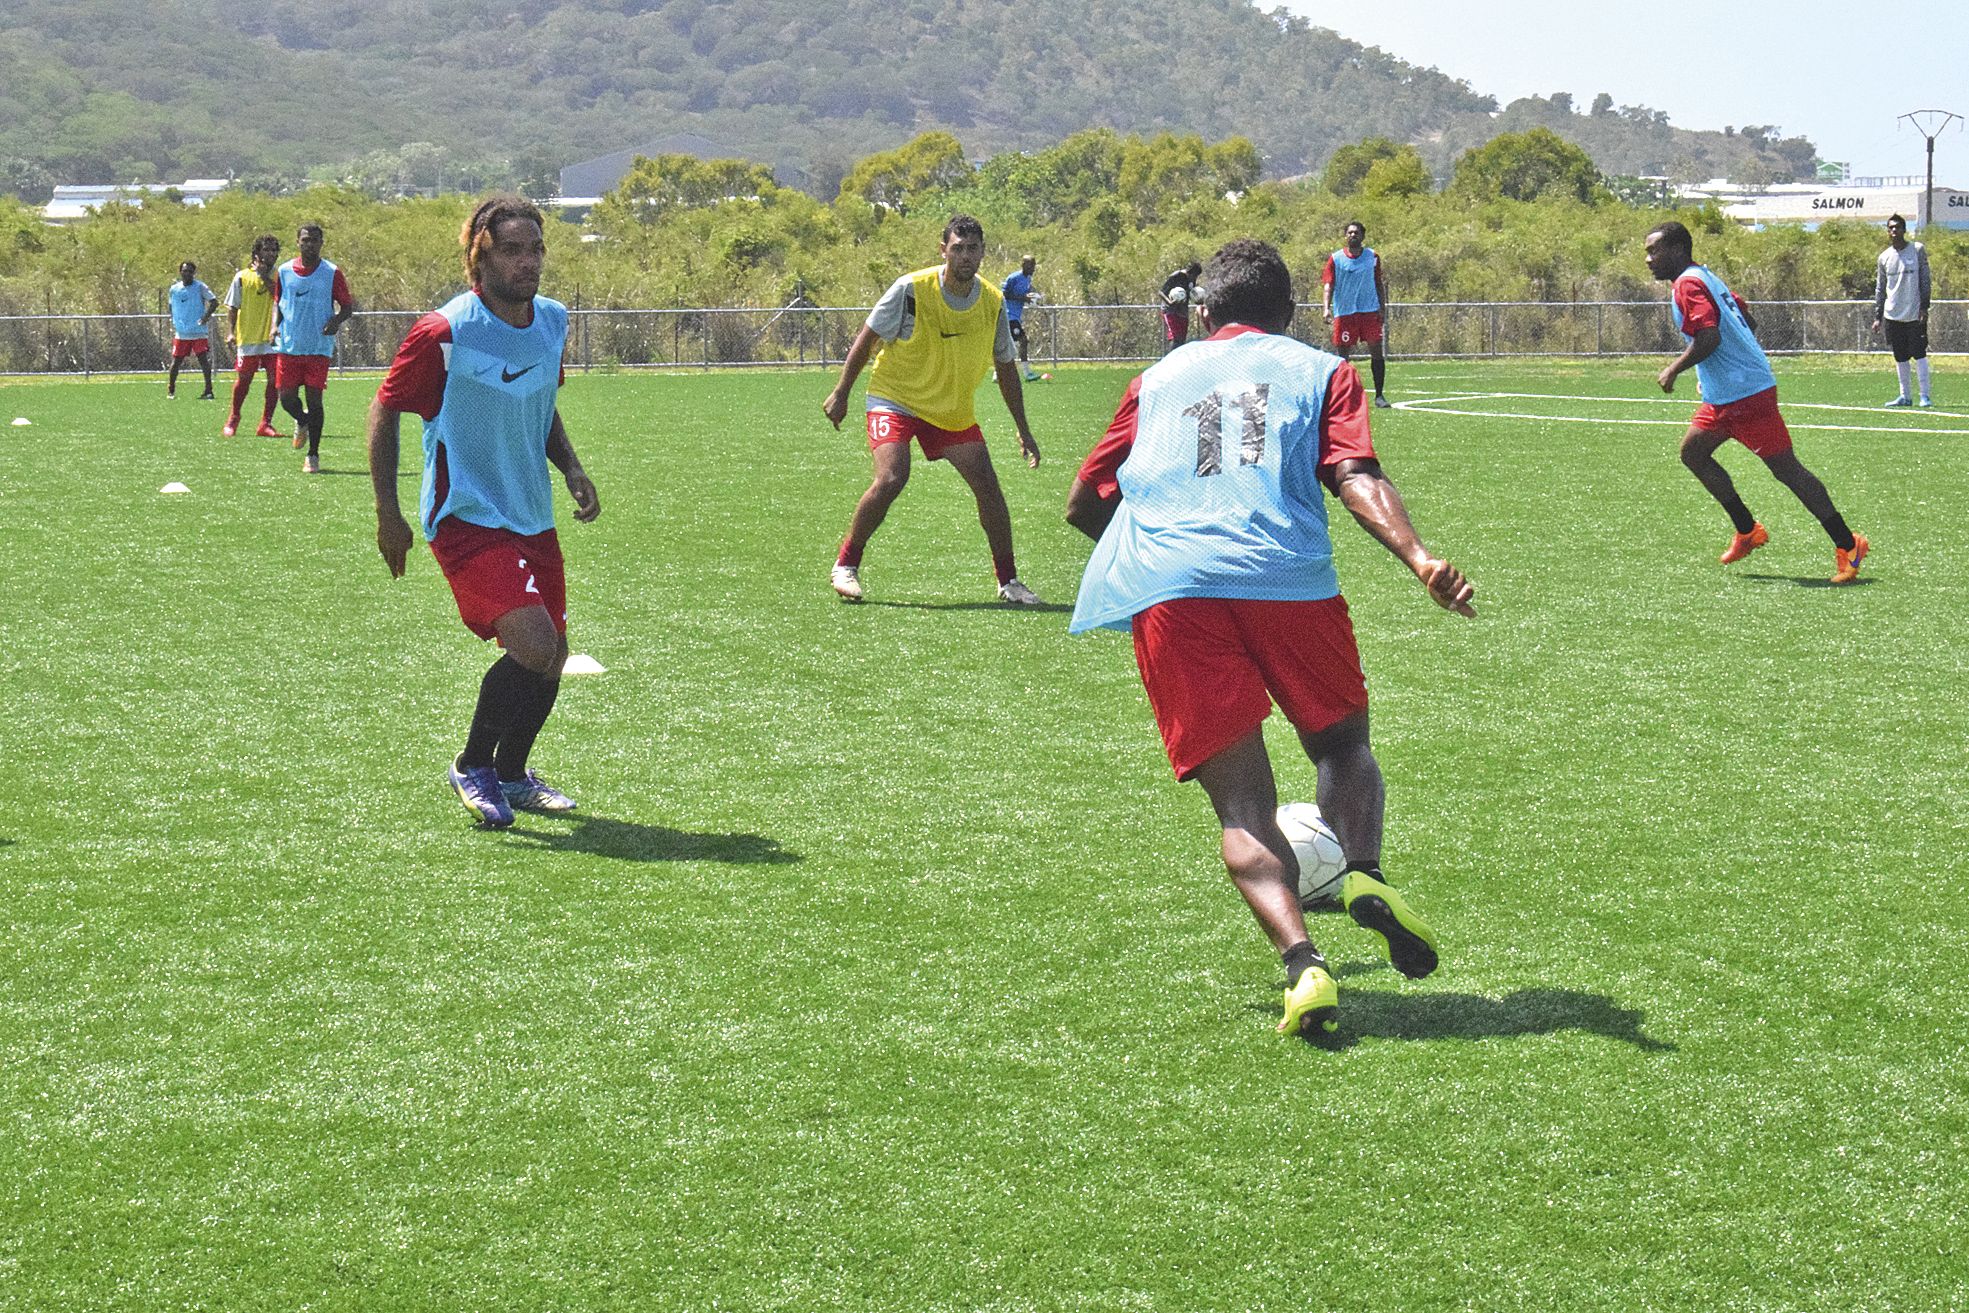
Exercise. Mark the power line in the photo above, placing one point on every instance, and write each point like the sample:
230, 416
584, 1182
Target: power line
1930, 123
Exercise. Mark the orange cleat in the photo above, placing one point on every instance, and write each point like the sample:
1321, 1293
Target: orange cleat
267, 430
1743, 544
1847, 564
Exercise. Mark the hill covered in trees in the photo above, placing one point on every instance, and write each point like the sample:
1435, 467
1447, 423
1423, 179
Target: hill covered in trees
286, 90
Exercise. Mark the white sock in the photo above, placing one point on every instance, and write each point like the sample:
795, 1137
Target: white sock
1901, 368
1921, 369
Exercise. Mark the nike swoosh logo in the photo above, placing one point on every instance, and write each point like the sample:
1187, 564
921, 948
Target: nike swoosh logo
951, 334
506, 376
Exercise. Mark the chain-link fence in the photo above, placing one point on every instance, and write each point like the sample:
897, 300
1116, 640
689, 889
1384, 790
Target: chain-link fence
821, 335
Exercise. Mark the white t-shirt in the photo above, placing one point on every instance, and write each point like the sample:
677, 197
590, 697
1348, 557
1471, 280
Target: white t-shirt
892, 321
1900, 283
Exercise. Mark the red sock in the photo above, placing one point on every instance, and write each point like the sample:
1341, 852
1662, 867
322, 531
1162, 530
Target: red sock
1006, 570
273, 398
240, 387
850, 553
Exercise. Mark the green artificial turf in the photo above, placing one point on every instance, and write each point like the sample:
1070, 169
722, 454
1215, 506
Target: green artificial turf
885, 967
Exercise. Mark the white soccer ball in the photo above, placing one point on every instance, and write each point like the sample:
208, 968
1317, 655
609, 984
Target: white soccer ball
1321, 860
1178, 295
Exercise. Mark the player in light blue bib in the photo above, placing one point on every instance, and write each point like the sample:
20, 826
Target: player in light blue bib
192, 304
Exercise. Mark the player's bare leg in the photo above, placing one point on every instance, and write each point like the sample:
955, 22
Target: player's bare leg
1244, 793
891, 477
973, 464
1351, 793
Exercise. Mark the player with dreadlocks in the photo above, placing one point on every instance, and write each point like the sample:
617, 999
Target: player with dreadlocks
483, 373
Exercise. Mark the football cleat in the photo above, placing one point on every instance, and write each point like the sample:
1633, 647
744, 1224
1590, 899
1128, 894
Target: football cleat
1375, 906
1897, 401
232, 427
1312, 1004
478, 788
530, 793
846, 580
267, 430
300, 439
1382, 403
1846, 565
310, 464
1017, 594
1743, 544
1926, 403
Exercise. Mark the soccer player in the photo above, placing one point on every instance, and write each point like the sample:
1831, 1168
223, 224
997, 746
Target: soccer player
934, 334
1176, 309
1901, 292
1354, 299
1204, 498
313, 302
1739, 400
192, 304
249, 306
484, 372
1018, 292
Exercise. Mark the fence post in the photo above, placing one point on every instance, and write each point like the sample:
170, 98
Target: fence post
1600, 329
707, 339
85, 346
1493, 329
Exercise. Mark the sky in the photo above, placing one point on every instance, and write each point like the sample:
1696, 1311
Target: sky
1837, 73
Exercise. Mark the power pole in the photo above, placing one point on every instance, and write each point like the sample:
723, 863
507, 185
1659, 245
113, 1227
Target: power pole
1930, 123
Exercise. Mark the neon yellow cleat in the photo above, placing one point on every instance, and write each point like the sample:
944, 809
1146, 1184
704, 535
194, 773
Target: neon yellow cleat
1311, 1005
1375, 906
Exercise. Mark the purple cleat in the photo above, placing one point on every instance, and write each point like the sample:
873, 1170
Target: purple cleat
478, 788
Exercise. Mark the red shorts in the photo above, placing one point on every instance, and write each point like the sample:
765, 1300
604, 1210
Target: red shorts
248, 366
1753, 420
494, 571
888, 426
189, 346
1176, 326
300, 372
1363, 327
1212, 667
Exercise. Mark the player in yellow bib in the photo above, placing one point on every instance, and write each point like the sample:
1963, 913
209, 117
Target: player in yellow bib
935, 335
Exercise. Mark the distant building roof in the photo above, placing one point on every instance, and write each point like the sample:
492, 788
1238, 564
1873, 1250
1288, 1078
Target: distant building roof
75, 201
1812, 203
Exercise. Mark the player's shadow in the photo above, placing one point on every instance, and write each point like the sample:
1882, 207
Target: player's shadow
969, 606
631, 841
1388, 1014
1810, 581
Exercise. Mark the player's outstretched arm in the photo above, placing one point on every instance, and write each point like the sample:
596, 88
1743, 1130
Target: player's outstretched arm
587, 502
1012, 388
836, 405
392, 530
1373, 500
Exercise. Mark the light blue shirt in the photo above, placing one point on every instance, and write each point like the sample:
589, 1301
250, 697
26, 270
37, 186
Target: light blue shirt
1354, 292
1738, 367
307, 302
500, 388
188, 305
1220, 493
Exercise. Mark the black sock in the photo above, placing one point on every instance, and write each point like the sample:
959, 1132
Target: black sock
502, 695
1297, 958
1835, 527
1378, 368
1367, 868
315, 421
1739, 514
517, 741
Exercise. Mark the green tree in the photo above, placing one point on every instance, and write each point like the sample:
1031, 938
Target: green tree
658, 186
1349, 166
1401, 174
894, 179
1524, 166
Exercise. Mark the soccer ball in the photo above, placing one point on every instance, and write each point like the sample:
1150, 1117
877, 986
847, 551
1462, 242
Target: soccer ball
1321, 861
1178, 295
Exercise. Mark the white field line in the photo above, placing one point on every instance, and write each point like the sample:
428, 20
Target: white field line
1440, 406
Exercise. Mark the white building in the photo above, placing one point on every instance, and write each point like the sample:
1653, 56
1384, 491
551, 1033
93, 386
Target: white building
71, 203
1870, 200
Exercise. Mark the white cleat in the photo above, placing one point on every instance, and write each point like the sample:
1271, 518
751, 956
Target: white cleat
847, 582
1015, 593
